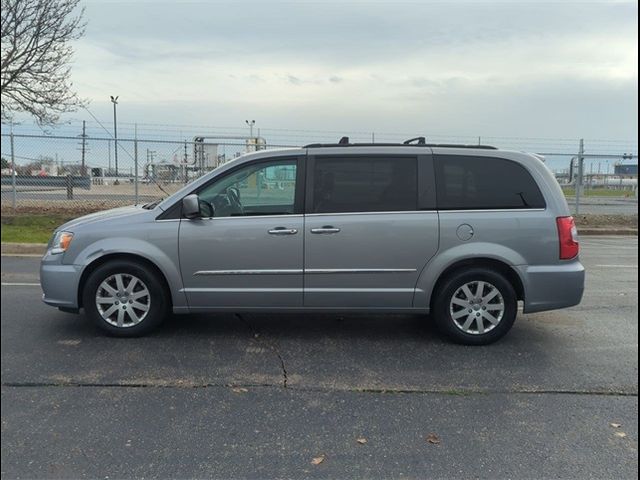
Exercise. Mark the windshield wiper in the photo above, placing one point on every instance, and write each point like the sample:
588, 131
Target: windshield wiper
152, 205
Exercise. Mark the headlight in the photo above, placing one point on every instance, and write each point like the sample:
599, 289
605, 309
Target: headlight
61, 242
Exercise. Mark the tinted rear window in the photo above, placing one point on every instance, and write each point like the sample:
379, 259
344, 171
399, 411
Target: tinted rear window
474, 183
364, 184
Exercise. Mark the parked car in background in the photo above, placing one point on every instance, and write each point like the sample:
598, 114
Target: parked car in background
461, 233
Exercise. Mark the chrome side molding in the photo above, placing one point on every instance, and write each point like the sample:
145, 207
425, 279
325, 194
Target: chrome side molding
312, 271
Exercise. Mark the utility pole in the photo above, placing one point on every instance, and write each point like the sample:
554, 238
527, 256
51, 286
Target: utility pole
185, 158
114, 100
83, 171
150, 154
109, 145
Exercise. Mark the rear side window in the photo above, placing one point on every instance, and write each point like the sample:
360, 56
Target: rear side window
475, 183
364, 184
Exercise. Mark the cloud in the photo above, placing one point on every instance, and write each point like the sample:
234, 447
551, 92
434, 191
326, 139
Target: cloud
464, 66
294, 80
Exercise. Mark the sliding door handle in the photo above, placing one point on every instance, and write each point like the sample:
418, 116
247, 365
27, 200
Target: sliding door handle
326, 230
283, 231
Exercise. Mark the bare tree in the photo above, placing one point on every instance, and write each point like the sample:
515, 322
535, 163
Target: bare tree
36, 54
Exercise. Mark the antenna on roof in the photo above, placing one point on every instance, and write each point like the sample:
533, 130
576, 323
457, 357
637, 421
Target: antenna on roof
416, 140
344, 141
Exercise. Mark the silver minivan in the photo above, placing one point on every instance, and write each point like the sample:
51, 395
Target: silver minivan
463, 233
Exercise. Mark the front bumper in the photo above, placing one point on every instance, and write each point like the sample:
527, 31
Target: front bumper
59, 282
550, 287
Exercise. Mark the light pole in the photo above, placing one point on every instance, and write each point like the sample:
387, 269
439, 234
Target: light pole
114, 100
251, 124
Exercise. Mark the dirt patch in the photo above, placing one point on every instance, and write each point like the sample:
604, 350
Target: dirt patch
62, 208
627, 221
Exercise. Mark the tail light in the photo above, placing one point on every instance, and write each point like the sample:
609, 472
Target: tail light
568, 236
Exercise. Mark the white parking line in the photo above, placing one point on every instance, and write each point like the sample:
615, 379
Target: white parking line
617, 266
32, 255
613, 246
7, 284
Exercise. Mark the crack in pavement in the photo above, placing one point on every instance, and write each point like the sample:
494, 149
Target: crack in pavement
258, 337
393, 391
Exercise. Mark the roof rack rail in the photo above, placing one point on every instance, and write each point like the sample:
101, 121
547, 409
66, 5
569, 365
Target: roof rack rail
416, 140
412, 142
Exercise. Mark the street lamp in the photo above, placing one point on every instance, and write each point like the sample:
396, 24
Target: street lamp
114, 100
251, 124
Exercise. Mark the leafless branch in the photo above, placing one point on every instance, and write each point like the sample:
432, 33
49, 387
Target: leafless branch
36, 38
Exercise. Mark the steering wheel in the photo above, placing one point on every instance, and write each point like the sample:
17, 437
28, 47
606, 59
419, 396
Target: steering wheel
233, 194
206, 208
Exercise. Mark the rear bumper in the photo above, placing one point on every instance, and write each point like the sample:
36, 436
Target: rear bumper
59, 283
550, 287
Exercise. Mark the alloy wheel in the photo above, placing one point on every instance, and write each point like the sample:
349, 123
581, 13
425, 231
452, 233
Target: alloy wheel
123, 300
477, 307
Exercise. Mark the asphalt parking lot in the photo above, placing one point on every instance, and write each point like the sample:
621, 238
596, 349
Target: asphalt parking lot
257, 396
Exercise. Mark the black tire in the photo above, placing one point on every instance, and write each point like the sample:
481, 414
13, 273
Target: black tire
158, 304
448, 288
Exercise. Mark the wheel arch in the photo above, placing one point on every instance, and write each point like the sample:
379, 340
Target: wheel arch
131, 257
478, 254
496, 265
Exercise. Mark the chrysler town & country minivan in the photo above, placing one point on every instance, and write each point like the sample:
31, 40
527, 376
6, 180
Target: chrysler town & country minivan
463, 233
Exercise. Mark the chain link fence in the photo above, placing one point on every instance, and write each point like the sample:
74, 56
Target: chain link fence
79, 174
84, 173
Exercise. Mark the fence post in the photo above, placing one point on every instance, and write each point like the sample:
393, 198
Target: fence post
580, 174
69, 182
135, 165
14, 191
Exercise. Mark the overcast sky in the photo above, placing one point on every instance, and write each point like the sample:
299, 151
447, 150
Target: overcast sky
536, 69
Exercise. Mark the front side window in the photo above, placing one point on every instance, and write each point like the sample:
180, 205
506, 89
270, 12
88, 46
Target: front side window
475, 183
263, 188
364, 184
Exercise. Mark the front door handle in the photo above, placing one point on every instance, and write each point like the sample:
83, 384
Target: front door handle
326, 230
283, 231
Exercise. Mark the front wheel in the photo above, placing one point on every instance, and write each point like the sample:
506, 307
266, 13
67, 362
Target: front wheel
125, 299
475, 307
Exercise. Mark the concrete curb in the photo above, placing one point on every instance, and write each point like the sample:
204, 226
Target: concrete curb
23, 248
39, 248
587, 231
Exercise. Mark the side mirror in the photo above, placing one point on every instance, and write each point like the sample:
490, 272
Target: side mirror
191, 206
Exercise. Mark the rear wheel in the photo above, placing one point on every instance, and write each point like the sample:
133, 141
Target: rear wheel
476, 306
125, 299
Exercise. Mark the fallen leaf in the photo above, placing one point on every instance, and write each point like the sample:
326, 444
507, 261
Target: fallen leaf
433, 439
239, 390
620, 434
616, 425
318, 460
361, 440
